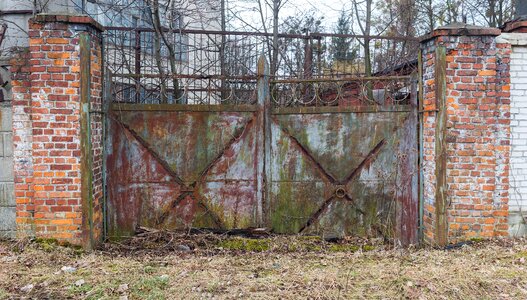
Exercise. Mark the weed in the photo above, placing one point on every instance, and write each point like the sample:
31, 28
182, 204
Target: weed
3, 294
267, 269
80, 290
149, 269
151, 287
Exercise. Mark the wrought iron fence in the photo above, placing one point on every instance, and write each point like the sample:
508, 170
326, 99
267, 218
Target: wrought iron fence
213, 67
344, 91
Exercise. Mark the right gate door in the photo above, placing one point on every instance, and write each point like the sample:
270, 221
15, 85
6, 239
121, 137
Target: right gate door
345, 171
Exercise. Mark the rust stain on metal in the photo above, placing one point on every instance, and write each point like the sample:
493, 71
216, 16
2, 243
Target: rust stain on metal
154, 154
308, 155
371, 156
354, 156
340, 189
407, 216
332, 171
204, 161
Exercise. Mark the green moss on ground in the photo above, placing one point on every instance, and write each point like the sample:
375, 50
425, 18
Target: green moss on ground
298, 244
245, 244
50, 244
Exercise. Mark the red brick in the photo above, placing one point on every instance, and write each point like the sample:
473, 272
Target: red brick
48, 183
475, 88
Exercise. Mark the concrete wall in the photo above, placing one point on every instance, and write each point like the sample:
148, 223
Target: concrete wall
7, 200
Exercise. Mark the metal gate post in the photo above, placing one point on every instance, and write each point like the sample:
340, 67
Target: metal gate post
264, 141
414, 205
86, 168
420, 141
441, 148
106, 102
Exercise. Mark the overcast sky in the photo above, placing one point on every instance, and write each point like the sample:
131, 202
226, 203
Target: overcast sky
329, 9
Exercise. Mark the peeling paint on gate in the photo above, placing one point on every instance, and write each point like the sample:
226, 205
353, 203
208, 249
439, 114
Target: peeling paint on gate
336, 174
181, 169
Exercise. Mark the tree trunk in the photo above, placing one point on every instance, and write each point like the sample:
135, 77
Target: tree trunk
157, 51
274, 62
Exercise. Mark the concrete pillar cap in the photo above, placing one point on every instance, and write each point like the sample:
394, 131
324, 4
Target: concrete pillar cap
461, 29
67, 18
516, 25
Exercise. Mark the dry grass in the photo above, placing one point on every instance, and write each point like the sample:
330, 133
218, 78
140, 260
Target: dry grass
311, 269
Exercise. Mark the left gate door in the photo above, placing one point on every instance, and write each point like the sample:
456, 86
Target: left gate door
182, 166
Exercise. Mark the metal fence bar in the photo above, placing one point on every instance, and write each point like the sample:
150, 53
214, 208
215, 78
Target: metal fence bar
343, 79
219, 67
137, 66
312, 35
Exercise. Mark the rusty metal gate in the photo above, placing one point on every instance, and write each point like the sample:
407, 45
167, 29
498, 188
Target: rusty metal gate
341, 172
337, 168
181, 166
350, 166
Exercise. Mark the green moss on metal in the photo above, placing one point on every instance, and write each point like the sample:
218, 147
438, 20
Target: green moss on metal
282, 209
228, 217
291, 208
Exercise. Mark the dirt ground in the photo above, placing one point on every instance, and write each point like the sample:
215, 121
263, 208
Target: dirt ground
172, 266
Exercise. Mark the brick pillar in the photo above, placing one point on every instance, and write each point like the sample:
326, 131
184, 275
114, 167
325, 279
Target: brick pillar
58, 131
466, 133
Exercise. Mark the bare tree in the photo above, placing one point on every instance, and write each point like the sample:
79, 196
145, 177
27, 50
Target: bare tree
492, 13
268, 15
426, 18
363, 17
296, 57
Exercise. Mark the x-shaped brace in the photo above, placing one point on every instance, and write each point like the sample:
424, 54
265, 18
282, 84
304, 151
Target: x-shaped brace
339, 187
190, 190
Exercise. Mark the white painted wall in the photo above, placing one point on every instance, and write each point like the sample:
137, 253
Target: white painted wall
518, 160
